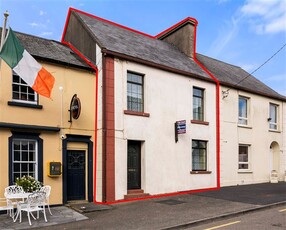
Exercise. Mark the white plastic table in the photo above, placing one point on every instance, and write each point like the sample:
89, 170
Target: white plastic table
17, 196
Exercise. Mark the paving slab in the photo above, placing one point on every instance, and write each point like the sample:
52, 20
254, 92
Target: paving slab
171, 212
61, 215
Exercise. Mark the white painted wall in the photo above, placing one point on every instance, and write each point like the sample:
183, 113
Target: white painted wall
256, 134
166, 165
284, 142
99, 128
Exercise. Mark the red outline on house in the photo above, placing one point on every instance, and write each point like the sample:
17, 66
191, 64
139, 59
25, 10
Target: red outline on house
96, 107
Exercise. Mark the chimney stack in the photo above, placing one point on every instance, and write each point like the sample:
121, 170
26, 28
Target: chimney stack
182, 35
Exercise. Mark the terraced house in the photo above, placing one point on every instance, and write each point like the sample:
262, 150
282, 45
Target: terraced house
157, 118
36, 132
234, 123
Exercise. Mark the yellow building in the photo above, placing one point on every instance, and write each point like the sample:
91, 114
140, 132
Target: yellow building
35, 131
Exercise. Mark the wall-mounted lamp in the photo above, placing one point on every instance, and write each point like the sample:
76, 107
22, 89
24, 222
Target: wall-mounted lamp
269, 119
225, 93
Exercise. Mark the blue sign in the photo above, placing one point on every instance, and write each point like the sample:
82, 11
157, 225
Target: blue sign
181, 126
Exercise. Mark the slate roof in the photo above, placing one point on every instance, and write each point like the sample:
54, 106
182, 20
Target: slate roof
234, 76
120, 40
123, 41
50, 50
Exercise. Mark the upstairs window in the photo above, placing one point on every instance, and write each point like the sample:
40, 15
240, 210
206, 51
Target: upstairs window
135, 94
273, 114
21, 92
198, 104
243, 111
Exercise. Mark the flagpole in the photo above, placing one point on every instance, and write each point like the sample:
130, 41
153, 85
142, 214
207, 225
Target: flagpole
6, 14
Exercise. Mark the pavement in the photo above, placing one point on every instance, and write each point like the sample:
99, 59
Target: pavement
173, 212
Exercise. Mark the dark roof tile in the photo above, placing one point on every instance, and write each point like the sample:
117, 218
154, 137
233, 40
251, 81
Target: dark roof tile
124, 41
50, 50
236, 77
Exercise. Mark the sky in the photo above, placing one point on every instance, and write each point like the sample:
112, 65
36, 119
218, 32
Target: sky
245, 33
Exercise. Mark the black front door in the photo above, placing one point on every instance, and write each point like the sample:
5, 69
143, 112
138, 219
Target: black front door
75, 175
134, 165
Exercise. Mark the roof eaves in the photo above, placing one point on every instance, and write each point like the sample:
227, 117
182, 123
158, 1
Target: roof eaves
156, 65
62, 63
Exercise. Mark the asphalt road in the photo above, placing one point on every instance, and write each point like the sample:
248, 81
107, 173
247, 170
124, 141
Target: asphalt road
267, 219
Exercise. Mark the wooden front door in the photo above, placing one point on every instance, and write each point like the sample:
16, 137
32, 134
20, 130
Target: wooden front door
76, 175
134, 165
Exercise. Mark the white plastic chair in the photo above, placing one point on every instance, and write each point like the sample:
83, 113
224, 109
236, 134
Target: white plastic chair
34, 203
13, 189
6, 205
47, 190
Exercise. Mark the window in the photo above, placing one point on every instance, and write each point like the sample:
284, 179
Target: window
199, 155
25, 156
21, 92
243, 157
135, 100
273, 111
242, 110
198, 104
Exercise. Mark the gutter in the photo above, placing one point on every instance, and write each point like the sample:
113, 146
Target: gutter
217, 108
155, 65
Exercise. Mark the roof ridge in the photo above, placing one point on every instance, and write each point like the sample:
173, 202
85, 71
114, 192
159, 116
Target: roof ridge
113, 23
36, 36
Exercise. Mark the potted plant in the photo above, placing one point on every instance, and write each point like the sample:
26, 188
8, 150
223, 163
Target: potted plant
29, 183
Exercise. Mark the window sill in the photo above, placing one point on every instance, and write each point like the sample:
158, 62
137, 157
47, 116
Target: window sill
274, 131
142, 114
200, 172
244, 126
245, 172
199, 122
25, 105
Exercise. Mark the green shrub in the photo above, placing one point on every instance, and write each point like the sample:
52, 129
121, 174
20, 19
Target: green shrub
29, 183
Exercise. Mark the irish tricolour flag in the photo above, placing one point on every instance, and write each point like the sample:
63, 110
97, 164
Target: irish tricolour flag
22, 63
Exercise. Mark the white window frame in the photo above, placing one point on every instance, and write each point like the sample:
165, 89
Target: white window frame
273, 123
34, 162
248, 162
243, 120
23, 84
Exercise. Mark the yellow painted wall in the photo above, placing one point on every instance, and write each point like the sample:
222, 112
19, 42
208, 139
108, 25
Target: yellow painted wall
73, 81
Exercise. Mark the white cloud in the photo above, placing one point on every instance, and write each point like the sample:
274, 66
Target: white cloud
46, 34
41, 13
265, 16
222, 1
277, 78
229, 31
34, 24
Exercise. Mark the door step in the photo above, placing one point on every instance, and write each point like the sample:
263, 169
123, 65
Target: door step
135, 193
